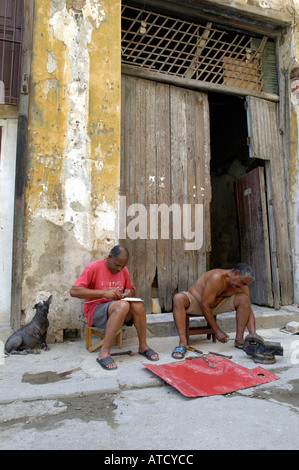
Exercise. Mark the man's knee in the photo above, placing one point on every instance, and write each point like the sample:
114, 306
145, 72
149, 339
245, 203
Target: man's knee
180, 300
241, 300
120, 307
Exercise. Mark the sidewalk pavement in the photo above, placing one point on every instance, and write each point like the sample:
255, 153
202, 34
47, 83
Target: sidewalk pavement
34, 377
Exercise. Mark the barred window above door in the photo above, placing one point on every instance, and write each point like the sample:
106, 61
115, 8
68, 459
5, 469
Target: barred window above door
11, 14
203, 51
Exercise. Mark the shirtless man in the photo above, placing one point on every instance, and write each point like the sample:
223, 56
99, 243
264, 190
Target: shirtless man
217, 291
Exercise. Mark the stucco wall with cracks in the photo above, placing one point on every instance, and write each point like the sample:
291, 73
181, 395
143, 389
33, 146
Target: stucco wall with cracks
73, 151
294, 147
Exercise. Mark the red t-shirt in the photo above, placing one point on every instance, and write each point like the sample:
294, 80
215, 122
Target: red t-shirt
96, 275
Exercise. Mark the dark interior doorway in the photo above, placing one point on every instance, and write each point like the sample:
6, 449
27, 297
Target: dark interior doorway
229, 161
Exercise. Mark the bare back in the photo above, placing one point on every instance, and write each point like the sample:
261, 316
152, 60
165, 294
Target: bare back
213, 286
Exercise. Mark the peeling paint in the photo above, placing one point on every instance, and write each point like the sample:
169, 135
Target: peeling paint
71, 199
52, 62
75, 32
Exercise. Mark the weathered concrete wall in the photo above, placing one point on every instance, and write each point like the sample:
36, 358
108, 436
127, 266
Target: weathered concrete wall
294, 157
73, 150
8, 124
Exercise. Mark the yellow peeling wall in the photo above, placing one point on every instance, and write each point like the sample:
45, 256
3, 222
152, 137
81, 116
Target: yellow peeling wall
73, 151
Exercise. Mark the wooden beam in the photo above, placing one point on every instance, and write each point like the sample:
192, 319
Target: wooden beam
196, 84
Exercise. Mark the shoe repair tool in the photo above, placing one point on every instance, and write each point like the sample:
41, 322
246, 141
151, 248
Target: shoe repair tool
222, 355
262, 351
201, 354
122, 353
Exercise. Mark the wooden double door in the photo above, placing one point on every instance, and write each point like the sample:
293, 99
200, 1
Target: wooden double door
165, 164
165, 186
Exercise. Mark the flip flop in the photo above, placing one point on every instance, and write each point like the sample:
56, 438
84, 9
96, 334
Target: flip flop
105, 362
148, 353
240, 346
181, 350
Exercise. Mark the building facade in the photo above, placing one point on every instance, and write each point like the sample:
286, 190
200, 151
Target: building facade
113, 112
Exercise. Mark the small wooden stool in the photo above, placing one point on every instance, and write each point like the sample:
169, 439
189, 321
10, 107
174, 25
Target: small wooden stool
93, 330
199, 330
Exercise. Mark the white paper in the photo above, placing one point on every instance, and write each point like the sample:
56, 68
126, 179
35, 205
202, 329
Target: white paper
132, 299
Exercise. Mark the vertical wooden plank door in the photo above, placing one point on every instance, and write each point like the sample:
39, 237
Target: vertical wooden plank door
165, 180
254, 235
266, 144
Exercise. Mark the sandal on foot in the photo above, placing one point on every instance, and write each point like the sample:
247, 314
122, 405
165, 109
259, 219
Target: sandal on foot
181, 350
239, 346
105, 362
148, 353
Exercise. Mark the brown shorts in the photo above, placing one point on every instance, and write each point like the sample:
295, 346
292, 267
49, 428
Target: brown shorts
226, 305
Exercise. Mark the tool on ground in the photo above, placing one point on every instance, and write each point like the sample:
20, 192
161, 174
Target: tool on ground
201, 354
262, 351
218, 354
67, 372
121, 353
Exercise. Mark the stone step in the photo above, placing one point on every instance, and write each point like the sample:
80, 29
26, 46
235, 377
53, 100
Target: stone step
162, 324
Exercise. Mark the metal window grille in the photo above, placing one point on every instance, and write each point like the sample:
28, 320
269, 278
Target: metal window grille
182, 48
11, 14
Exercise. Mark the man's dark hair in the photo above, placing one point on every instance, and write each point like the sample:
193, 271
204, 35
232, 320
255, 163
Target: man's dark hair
245, 270
117, 249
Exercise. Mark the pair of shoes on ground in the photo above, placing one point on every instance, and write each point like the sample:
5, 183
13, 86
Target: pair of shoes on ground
106, 361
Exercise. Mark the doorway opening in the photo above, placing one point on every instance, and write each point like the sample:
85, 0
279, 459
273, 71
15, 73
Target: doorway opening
230, 161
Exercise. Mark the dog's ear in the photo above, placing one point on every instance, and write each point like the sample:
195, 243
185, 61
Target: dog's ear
49, 299
35, 306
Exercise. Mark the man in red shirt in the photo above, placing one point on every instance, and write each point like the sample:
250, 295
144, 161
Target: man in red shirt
104, 284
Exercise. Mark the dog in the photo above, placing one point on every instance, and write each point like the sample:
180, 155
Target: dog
23, 340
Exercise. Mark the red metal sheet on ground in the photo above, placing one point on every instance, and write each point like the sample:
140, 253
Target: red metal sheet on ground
195, 378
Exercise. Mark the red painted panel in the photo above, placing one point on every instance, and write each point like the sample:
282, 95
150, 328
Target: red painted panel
195, 378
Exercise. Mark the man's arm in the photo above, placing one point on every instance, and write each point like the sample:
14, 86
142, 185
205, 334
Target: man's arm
208, 298
85, 293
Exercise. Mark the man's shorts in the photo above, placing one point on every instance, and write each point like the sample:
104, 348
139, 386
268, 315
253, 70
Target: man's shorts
226, 305
100, 316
